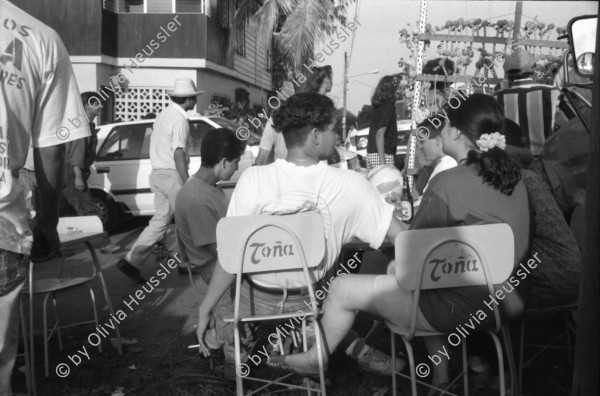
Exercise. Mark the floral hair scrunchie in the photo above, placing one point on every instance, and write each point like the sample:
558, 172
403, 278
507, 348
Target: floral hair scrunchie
491, 140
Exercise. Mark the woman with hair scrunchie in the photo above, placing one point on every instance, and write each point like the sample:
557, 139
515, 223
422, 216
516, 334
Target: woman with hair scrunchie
485, 188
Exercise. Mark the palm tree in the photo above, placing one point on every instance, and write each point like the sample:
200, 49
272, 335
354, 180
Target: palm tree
292, 26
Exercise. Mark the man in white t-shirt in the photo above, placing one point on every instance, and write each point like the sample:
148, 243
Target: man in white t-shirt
349, 205
38, 100
169, 158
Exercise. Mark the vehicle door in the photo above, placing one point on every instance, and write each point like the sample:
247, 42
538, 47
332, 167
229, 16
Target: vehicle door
123, 162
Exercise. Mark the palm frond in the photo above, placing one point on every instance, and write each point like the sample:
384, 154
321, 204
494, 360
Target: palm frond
302, 29
267, 18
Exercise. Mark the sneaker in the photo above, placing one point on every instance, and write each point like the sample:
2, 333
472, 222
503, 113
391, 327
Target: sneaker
130, 271
377, 362
110, 248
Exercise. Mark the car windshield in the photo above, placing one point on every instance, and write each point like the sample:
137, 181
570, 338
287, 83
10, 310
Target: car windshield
251, 140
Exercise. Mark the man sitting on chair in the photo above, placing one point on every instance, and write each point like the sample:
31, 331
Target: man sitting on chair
349, 204
201, 203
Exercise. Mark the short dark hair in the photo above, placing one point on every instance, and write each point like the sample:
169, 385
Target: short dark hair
219, 143
91, 99
300, 113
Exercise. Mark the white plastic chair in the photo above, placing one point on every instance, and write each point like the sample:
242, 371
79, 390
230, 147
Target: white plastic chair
303, 233
72, 231
491, 245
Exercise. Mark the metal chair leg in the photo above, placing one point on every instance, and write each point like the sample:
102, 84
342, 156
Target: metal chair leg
45, 333
521, 352
498, 346
105, 291
465, 368
411, 362
31, 345
95, 310
30, 382
393, 355
58, 332
239, 384
514, 388
320, 352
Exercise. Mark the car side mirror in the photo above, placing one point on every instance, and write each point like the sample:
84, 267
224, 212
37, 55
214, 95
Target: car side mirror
582, 41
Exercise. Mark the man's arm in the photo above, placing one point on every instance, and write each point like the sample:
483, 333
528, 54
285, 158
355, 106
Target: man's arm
267, 142
396, 227
49, 163
181, 164
262, 157
219, 283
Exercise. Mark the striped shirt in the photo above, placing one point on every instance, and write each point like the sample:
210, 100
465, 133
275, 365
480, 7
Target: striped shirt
533, 107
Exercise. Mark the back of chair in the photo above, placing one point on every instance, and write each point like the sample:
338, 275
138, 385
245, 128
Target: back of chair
439, 258
250, 244
73, 228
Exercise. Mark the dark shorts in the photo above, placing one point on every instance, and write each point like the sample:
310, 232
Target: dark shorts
13, 271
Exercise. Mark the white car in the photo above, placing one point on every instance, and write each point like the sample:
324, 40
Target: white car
119, 179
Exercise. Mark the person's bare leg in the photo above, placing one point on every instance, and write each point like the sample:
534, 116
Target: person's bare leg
441, 371
339, 313
9, 326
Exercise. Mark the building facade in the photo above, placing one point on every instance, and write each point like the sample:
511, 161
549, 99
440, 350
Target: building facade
131, 51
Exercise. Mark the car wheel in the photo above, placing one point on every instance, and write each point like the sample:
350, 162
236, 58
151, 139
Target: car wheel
107, 210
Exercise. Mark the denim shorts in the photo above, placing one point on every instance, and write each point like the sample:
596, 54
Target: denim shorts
13, 271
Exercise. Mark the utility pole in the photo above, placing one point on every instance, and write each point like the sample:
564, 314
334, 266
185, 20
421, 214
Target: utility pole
345, 95
517, 26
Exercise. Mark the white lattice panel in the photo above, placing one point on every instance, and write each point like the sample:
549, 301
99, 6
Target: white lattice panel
134, 103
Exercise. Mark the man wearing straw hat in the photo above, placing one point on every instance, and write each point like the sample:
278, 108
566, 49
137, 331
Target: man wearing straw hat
169, 159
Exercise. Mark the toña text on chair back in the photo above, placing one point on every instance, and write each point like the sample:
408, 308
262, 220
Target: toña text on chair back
269, 243
439, 258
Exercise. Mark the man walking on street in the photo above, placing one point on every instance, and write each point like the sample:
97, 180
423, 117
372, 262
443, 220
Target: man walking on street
169, 159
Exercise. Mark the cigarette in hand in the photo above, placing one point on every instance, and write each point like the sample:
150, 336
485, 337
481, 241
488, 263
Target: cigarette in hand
193, 346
